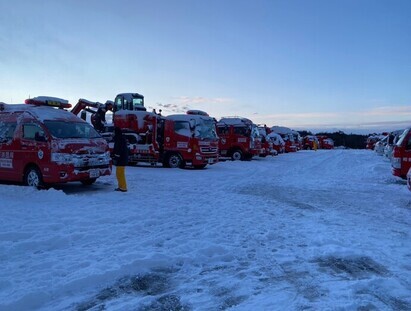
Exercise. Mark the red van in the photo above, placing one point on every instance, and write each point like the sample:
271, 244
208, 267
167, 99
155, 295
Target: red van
41, 144
401, 155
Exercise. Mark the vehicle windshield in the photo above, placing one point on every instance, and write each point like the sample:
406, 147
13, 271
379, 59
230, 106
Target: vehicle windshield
254, 132
7, 131
205, 129
62, 129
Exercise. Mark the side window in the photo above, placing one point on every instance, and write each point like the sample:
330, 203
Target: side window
240, 131
7, 131
118, 103
32, 131
222, 130
408, 146
182, 128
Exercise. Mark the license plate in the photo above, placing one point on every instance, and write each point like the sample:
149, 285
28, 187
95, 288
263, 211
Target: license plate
210, 161
94, 173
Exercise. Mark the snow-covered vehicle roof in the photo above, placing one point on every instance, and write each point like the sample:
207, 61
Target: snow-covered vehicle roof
234, 121
187, 117
43, 112
276, 137
281, 130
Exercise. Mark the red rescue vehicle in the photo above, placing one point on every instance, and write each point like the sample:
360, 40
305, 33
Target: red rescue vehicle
324, 142
372, 140
309, 142
40, 144
277, 141
239, 138
409, 179
175, 141
401, 155
267, 147
288, 137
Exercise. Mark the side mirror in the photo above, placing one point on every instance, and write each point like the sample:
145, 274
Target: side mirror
39, 136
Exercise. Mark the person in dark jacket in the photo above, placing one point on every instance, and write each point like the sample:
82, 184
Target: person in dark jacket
99, 118
120, 159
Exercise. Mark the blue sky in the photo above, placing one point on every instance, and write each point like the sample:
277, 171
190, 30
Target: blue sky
303, 64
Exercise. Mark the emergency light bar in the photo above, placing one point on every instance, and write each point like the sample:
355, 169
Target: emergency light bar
48, 101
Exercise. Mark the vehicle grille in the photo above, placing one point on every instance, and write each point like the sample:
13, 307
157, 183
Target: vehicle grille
206, 150
88, 160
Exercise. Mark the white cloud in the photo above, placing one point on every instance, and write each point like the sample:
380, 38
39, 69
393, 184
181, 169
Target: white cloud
183, 103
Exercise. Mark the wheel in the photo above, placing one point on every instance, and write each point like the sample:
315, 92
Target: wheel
237, 155
33, 177
88, 182
175, 161
200, 167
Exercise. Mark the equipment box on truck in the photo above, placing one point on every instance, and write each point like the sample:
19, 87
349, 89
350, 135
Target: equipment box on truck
40, 144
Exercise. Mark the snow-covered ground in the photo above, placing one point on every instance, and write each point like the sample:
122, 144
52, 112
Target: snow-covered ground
326, 230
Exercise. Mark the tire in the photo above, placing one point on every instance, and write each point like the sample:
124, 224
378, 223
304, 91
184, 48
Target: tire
33, 177
88, 182
200, 167
175, 161
237, 155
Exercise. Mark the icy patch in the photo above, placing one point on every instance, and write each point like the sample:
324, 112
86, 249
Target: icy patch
151, 290
352, 267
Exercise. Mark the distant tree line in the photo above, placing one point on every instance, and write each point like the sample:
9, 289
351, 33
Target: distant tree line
352, 141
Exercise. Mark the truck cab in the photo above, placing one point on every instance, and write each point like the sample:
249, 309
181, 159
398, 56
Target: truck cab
239, 138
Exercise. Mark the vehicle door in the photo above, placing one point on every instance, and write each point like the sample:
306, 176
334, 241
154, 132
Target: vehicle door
7, 150
34, 147
406, 156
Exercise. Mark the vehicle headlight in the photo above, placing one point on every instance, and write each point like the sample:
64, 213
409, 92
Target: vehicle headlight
107, 156
62, 158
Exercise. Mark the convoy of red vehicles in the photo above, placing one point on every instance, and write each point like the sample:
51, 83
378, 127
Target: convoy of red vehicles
397, 147
43, 143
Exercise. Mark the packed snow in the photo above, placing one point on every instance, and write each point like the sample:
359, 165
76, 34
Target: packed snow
325, 230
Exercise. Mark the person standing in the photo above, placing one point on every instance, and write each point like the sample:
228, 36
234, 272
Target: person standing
315, 144
99, 118
120, 159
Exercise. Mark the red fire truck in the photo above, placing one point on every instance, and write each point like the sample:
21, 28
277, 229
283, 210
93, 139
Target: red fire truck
288, 137
401, 155
239, 138
175, 141
41, 145
309, 141
267, 147
277, 141
324, 142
